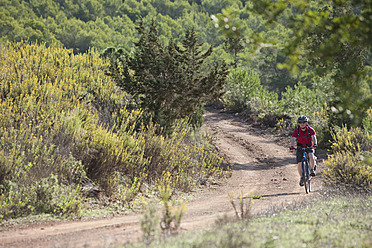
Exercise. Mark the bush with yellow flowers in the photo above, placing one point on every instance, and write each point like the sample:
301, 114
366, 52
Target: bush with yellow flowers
351, 161
63, 123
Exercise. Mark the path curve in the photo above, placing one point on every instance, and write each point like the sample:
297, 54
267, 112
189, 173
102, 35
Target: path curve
261, 166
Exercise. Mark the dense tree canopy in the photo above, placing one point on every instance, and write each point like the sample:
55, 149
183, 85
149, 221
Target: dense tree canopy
79, 24
314, 39
323, 37
170, 82
111, 23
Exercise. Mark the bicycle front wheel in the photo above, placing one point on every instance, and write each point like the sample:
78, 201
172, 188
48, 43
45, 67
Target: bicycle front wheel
307, 185
307, 177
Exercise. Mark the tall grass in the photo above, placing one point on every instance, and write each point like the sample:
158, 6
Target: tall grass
62, 120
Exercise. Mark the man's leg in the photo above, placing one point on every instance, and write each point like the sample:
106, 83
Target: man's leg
299, 168
311, 158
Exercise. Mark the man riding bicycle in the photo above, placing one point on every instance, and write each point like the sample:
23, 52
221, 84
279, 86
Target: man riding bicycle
306, 137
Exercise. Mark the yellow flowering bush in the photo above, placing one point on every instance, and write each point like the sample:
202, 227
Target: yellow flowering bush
352, 140
350, 163
61, 115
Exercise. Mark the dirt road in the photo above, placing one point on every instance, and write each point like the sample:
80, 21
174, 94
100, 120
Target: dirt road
261, 167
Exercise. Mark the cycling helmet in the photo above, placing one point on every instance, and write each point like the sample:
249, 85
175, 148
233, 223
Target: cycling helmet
302, 118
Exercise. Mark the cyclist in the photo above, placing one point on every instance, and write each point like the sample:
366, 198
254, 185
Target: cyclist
306, 137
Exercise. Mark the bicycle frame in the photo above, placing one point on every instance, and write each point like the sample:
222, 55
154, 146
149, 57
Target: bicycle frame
306, 169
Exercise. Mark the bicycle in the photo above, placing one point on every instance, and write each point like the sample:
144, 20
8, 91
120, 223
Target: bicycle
306, 168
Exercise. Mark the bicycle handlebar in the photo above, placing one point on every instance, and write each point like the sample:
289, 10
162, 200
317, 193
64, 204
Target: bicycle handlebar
303, 148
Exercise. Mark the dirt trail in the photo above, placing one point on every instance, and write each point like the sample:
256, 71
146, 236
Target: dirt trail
261, 167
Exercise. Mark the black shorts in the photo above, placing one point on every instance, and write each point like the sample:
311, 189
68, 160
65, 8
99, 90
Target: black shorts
299, 154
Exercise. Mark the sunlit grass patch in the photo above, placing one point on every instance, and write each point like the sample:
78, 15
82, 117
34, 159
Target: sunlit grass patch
337, 219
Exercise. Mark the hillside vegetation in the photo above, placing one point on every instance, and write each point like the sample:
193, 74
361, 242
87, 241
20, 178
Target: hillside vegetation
66, 129
79, 25
86, 107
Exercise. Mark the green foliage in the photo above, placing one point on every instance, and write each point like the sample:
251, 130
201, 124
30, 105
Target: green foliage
128, 192
150, 224
63, 122
196, 119
80, 25
44, 196
353, 140
243, 208
326, 37
348, 169
367, 122
266, 104
234, 46
241, 86
213, 6
245, 93
171, 82
300, 99
39, 86
252, 43
171, 213
170, 154
350, 162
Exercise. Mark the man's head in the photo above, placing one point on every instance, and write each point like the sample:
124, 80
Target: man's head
302, 121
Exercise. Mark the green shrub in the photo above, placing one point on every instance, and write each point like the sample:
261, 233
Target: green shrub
350, 163
240, 87
186, 161
63, 120
150, 224
172, 211
196, 119
367, 122
300, 100
351, 140
245, 93
170, 81
45, 196
348, 169
266, 104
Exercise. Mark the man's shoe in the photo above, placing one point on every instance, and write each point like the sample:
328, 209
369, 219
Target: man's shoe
312, 173
302, 182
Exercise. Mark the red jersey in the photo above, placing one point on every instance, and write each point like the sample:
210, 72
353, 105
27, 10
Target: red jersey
304, 138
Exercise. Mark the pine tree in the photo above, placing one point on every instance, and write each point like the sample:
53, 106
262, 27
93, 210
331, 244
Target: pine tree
170, 82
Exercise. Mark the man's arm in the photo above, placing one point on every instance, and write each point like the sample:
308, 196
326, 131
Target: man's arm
314, 139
